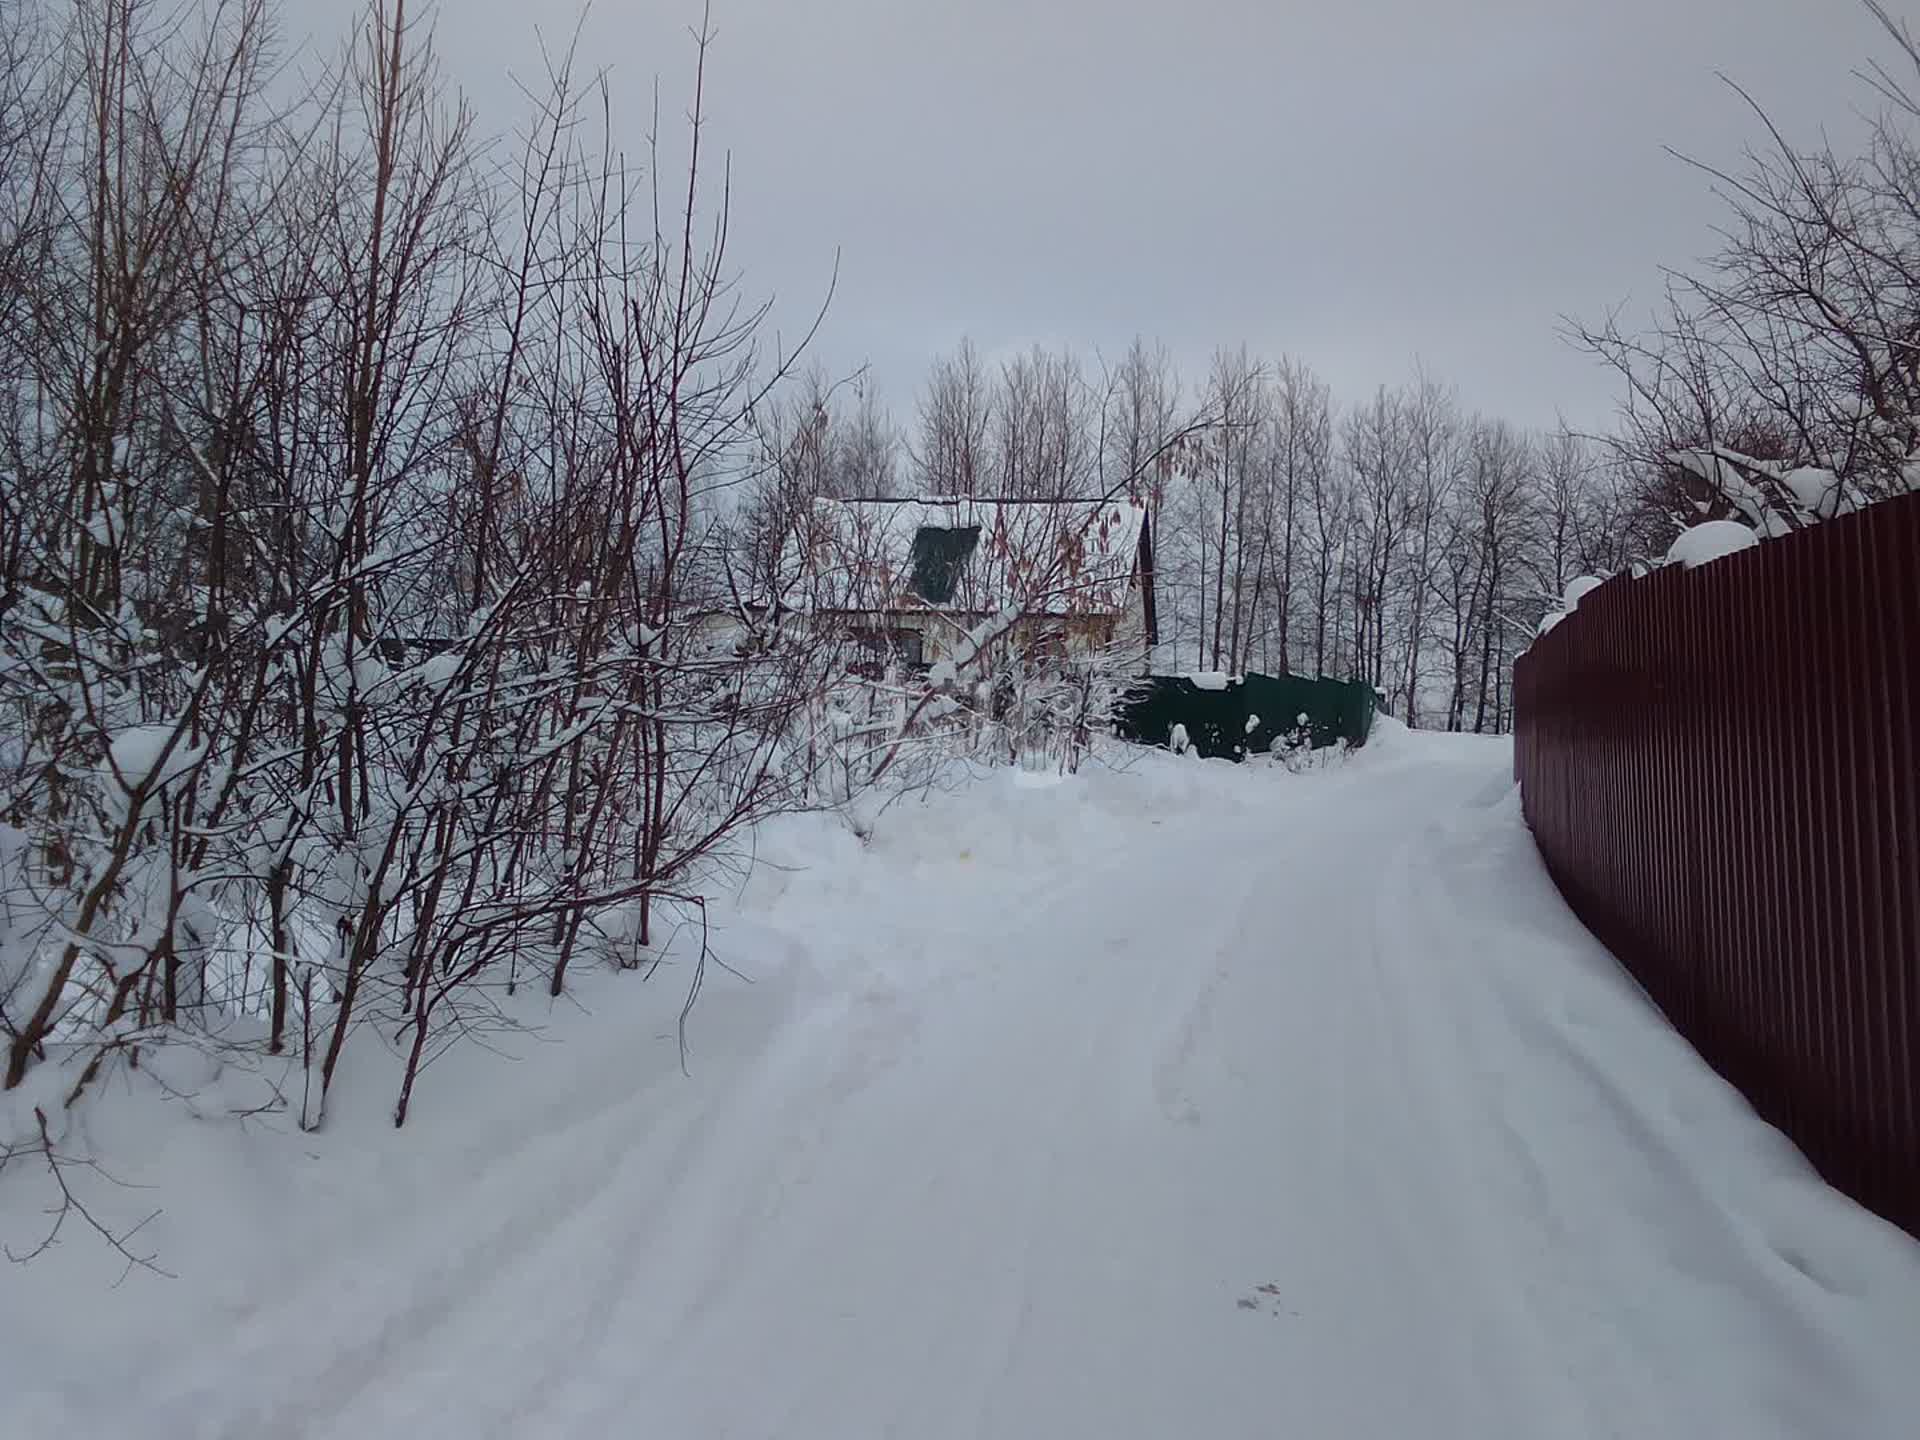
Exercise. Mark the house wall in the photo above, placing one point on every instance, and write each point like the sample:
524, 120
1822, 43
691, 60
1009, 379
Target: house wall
1132, 654
944, 636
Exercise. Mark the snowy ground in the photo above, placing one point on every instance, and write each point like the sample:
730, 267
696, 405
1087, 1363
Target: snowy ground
1185, 1100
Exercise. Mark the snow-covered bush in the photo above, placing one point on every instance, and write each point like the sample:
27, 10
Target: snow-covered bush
996, 702
352, 503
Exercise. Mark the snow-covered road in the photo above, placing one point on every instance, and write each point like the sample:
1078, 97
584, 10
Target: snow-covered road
1151, 1104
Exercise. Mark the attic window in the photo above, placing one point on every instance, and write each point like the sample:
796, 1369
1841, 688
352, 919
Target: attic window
938, 558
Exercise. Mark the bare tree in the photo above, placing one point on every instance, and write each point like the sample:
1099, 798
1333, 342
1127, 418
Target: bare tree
1299, 457
1378, 444
956, 412
1435, 447
1782, 385
1501, 488
1045, 436
355, 500
1330, 517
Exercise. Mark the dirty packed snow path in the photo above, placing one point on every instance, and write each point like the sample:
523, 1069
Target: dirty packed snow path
1176, 1100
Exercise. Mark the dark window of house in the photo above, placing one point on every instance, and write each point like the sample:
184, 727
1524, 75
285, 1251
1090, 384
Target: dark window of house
938, 558
883, 646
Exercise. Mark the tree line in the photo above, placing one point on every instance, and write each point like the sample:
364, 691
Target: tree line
1400, 539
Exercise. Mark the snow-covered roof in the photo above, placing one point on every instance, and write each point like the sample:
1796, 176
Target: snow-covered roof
1074, 557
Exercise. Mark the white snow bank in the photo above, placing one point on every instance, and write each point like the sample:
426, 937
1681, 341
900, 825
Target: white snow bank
1210, 680
1712, 540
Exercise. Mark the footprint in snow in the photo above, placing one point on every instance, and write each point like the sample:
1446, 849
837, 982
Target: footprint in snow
1265, 1300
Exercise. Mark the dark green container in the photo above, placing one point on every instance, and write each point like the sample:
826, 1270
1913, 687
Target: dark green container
1247, 715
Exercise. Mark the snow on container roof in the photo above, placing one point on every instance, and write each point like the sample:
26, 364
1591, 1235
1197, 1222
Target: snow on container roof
1069, 557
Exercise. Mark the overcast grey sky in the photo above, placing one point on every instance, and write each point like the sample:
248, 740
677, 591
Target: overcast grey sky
1357, 182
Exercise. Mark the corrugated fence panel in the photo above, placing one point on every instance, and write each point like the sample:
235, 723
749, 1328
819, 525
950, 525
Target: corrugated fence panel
1897, 550
1722, 770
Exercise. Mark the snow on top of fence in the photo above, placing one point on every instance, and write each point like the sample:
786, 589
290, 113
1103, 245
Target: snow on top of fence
1578, 589
1697, 545
1713, 540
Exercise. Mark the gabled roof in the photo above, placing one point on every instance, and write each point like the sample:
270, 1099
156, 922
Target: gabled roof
1072, 557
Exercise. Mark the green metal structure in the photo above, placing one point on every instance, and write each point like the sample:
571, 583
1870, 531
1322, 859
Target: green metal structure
1246, 715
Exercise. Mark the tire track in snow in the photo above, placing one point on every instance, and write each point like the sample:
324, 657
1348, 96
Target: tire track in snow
450, 1306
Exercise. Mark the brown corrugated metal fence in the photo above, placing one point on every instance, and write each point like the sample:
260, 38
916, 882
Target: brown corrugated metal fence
1721, 767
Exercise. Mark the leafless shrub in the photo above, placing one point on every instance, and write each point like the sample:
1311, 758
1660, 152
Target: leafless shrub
1782, 384
358, 492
